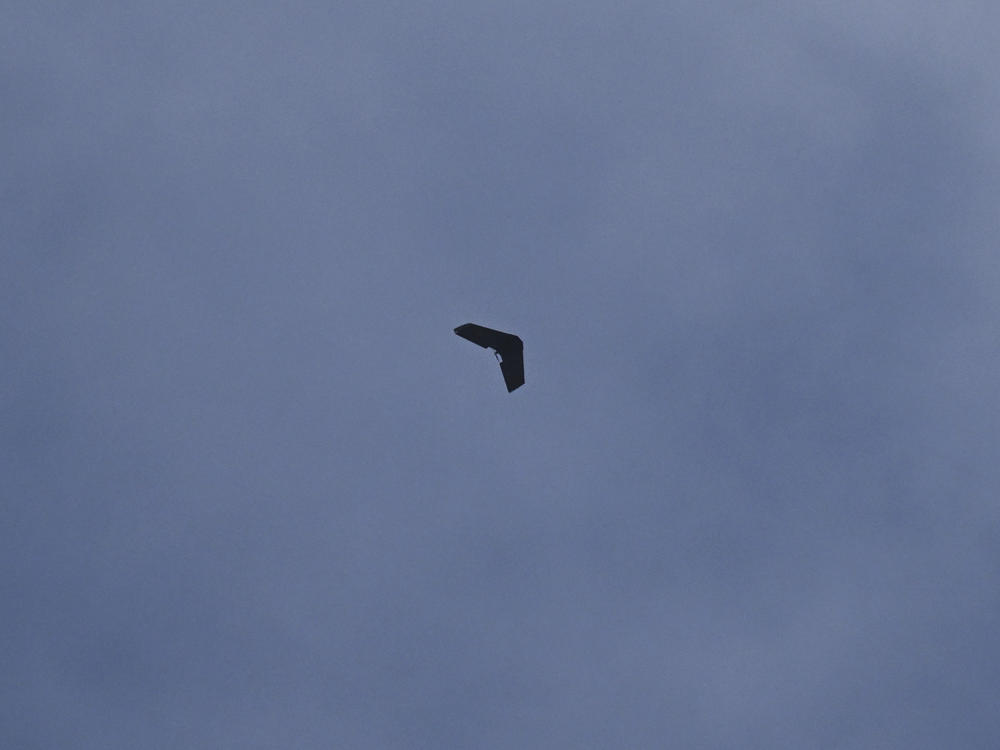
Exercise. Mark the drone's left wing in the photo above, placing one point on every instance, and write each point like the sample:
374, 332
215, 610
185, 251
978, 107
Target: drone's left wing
488, 337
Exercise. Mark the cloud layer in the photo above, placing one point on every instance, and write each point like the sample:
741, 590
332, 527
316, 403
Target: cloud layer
256, 493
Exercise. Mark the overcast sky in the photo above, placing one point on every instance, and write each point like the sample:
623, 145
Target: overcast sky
254, 492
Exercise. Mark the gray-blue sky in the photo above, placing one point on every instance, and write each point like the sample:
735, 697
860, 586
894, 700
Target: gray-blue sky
255, 493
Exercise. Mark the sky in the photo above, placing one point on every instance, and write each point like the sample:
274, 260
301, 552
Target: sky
255, 493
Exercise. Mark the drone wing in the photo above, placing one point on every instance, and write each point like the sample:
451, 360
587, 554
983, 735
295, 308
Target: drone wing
489, 337
512, 368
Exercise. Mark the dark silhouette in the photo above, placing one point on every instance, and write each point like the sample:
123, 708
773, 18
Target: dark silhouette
508, 349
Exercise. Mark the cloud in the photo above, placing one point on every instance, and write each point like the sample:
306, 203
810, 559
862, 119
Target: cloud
254, 487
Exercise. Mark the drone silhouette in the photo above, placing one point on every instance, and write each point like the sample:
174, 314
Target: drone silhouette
507, 348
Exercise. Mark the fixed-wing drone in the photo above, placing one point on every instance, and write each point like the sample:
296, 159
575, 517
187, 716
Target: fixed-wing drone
508, 349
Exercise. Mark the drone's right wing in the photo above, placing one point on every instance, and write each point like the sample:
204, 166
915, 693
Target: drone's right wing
512, 368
